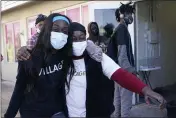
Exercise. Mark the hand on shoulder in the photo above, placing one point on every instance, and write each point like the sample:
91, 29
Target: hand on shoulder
23, 54
94, 51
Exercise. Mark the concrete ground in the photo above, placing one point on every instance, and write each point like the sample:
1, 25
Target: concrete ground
141, 110
144, 110
6, 92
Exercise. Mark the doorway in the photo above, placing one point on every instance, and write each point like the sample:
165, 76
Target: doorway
103, 12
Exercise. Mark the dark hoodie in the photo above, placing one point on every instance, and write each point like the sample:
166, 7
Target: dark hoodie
97, 39
108, 28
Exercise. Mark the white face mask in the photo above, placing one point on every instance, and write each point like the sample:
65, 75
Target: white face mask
79, 48
58, 40
38, 30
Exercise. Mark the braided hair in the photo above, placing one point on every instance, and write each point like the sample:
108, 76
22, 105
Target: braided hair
124, 8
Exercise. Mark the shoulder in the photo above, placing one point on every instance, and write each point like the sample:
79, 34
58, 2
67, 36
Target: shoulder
34, 58
120, 27
24, 64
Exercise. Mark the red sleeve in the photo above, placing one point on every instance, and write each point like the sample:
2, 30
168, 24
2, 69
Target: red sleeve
128, 81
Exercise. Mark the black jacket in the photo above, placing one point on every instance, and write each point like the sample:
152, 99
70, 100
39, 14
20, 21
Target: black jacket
100, 90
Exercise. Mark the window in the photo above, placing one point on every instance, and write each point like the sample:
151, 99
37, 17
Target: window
17, 41
31, 26
62, 12
85, 16
79, 13
74, 14
13, 41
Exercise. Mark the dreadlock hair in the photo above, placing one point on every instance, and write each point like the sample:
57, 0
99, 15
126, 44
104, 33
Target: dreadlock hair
109, 27
43, 51
124, 8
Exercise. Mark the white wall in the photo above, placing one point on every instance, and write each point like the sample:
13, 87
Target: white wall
165, 21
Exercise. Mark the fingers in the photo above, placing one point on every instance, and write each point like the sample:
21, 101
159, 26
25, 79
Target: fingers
162, 103
23, 54
149, 93
147, 100
26, 55
160, 99
23, 57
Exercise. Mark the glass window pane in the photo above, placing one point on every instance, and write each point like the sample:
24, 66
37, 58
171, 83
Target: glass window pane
104, 16
17, 40
9, 42
74, 14
85, 16
62, 12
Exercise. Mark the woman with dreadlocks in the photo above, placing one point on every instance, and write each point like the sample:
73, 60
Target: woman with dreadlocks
39, 90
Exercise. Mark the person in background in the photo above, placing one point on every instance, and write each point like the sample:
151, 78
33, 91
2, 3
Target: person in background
120, 50
94, 36
109, 29
38, 24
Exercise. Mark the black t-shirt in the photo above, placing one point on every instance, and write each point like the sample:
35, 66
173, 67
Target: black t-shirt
123, 38
46, 98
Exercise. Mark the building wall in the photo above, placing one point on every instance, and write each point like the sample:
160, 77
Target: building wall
166, 26
11, 4
21, 14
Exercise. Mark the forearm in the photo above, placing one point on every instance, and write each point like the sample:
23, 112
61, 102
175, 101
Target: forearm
128, 81
31, 42
114, 72
94, 51
123, 59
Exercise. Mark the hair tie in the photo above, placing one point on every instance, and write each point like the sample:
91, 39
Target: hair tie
61, 18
